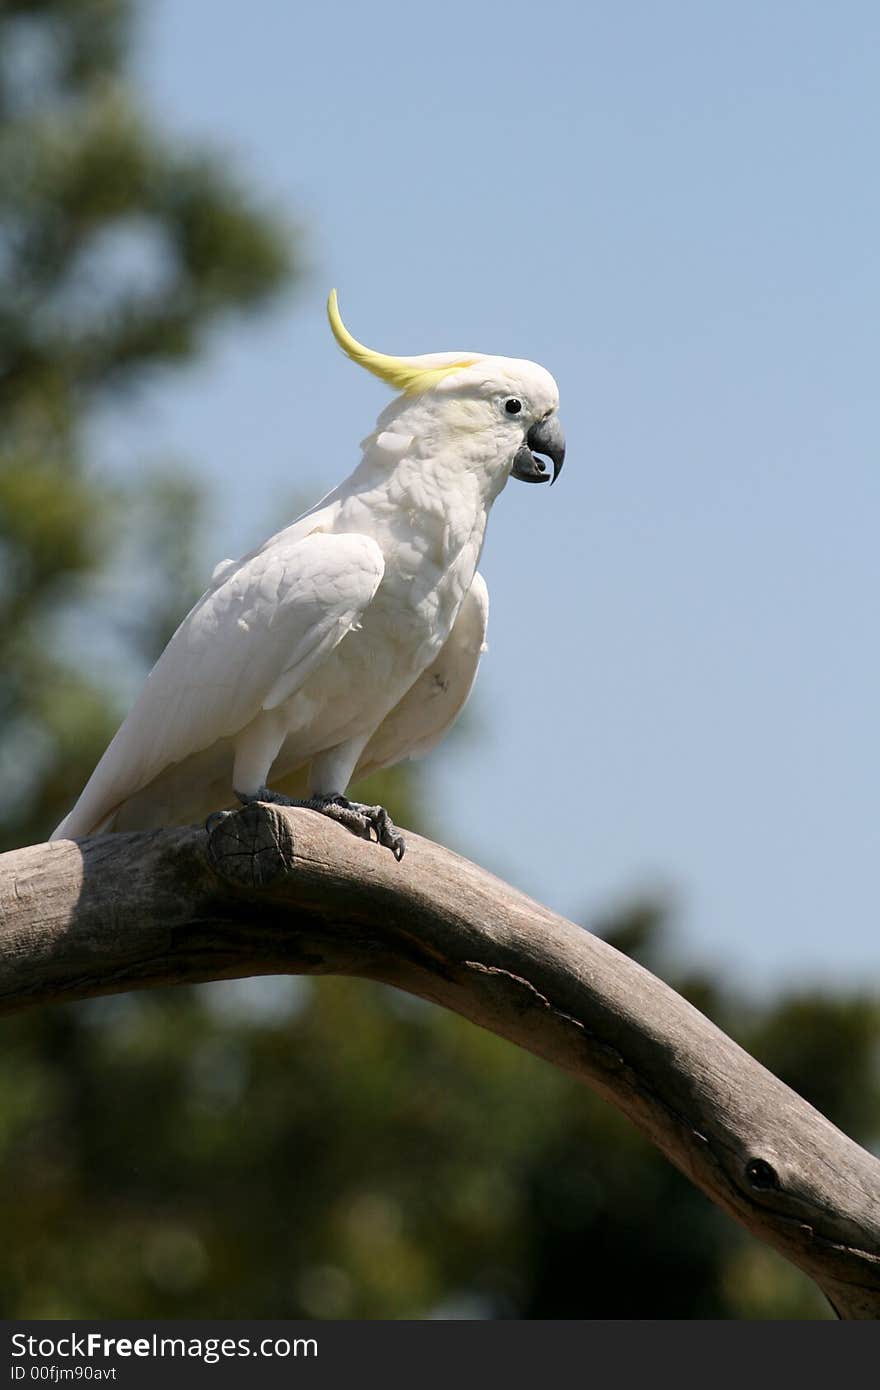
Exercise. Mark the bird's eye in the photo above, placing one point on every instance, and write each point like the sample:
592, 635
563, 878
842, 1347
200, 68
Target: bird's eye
513, 406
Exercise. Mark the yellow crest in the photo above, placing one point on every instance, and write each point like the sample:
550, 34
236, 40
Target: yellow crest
407, 374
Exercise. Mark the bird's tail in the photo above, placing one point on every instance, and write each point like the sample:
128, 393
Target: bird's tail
77, 824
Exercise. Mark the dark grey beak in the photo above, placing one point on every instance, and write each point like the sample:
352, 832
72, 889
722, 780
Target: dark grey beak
545, 437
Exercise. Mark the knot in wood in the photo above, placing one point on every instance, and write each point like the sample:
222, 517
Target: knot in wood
761, 1175
252, 847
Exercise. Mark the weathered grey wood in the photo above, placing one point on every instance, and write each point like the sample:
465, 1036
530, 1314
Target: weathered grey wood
273, 891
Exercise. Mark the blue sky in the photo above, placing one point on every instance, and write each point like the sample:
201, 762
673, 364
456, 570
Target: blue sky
675, 209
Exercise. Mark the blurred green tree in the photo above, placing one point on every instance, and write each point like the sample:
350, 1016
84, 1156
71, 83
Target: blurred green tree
331, 1149
118, 252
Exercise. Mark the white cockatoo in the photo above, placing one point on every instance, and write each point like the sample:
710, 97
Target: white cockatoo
350, 639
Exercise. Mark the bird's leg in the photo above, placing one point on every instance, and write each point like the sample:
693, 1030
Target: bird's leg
257, 750
362, 820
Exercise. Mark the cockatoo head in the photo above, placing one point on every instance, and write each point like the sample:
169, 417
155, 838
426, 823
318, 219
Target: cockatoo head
509, 401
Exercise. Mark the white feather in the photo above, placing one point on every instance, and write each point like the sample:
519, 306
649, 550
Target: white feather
349, 640
433, 703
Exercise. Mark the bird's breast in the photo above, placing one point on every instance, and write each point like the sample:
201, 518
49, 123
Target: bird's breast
431, 545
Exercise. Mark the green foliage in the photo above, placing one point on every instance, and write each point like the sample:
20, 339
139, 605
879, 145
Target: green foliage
118, 252
327, 1148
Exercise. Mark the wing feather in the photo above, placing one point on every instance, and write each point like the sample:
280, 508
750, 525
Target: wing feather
433, 703
248, 644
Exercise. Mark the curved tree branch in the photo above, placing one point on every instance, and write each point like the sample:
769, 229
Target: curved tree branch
279, 891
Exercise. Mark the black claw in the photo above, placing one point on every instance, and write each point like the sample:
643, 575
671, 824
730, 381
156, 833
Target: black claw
387, 834
363, 821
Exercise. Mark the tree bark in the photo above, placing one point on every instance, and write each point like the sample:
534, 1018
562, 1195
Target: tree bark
283, 891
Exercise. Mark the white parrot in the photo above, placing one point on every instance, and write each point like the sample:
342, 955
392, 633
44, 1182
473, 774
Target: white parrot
350, 639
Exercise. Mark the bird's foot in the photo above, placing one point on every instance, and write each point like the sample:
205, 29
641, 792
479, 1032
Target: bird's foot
264, 794
362, 820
